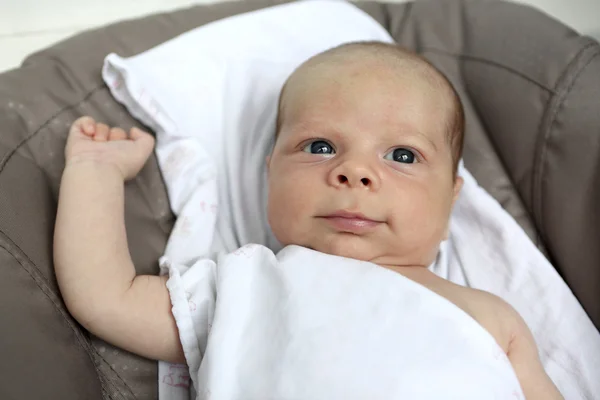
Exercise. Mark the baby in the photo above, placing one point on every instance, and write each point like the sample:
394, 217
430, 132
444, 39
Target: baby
364, 166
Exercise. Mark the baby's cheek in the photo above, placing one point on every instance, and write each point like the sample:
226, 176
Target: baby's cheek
417, 216
285, 210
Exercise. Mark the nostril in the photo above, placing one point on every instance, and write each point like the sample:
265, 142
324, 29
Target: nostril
342, 179
365, 181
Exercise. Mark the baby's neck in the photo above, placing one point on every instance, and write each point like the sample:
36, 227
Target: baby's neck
414, 272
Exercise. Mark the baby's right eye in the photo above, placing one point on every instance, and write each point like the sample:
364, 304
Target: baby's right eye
319, 147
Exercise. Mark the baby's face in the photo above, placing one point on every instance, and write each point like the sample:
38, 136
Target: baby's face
362, 168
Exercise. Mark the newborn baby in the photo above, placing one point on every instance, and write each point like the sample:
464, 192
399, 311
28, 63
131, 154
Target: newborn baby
363, 172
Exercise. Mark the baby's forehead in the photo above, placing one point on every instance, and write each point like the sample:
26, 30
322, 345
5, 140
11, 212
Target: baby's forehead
400, 89
356, 123
393, 71
393, 61
392, 76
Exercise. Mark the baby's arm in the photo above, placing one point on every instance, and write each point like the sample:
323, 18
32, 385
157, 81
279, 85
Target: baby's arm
523, 355
93, 266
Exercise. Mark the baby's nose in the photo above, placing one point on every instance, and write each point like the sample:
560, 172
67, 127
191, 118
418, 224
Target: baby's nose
355, 174
364, 181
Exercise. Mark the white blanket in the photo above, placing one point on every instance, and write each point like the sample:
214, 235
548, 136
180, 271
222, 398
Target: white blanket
210, 95
307, 325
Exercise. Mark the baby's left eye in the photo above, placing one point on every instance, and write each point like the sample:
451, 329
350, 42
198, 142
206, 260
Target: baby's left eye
401, 155
319, 147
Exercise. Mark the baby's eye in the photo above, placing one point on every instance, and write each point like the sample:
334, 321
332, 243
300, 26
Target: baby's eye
319, 147
401, 155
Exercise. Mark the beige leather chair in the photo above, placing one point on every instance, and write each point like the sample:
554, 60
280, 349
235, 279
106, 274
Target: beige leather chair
531, 89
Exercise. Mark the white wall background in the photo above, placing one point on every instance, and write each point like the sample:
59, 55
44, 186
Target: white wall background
29, 25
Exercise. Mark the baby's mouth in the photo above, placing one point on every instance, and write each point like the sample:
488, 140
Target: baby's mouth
351, 222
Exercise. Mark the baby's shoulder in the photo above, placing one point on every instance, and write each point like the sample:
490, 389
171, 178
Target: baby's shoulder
493, 313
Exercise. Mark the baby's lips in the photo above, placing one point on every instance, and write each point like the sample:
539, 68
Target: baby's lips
352, 225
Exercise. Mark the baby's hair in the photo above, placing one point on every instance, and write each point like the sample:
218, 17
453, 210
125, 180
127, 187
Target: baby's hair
394, 55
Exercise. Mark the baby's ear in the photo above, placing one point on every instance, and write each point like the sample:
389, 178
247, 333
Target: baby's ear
458, 184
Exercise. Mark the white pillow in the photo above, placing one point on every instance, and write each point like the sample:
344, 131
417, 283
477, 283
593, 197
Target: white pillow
215, 89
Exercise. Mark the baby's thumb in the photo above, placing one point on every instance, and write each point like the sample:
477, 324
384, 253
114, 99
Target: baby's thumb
143, 141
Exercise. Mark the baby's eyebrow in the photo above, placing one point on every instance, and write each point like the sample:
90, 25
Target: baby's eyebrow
428, 139
420, 135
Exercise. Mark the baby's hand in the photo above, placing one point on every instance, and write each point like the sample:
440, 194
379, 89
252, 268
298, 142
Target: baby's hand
90, 141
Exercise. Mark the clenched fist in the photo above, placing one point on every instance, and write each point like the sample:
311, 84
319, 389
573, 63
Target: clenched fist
90, 141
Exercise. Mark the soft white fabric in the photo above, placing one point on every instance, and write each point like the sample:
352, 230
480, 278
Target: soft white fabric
210, 95
306, 325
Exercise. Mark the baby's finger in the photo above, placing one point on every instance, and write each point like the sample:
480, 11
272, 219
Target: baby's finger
144, 140
101, 133
86, 125
138, 134
117, 134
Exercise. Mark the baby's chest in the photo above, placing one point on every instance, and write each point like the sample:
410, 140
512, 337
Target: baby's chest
288, 342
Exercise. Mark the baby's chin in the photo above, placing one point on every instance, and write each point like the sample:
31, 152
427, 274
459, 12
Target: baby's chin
369, 249
347, 245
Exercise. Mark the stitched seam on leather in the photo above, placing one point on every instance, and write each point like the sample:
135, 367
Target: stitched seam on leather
19, 258
404, 21
487, 62
106, 395
9, 155
40, 281
553, 109
13, 151
119, 378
